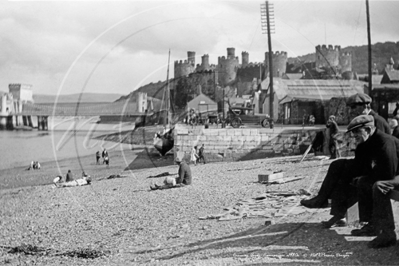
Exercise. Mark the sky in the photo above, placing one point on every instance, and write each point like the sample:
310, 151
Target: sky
66, 47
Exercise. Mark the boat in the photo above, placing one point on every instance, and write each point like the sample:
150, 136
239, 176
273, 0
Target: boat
164, 142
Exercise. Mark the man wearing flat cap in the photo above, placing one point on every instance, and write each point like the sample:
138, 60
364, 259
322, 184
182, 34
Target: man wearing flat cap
380, 175
360, 105
376, 159
345, 169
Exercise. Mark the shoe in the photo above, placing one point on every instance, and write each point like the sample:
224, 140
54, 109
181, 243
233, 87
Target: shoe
314, 203
383, 240
367, 230
335, 221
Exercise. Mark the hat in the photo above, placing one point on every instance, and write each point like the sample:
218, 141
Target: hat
361, 121
358, 98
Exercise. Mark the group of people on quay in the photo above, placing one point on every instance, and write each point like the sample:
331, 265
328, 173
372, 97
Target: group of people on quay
367, 178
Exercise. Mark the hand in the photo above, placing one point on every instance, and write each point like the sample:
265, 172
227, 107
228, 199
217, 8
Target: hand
384, 186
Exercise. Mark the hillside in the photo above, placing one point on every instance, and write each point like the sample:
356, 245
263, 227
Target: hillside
381, 52
77, 97
152, 89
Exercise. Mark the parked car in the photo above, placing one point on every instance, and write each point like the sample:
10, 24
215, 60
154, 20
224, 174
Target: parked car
245, 115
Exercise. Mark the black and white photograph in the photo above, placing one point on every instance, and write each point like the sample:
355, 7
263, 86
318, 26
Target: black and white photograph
206, 132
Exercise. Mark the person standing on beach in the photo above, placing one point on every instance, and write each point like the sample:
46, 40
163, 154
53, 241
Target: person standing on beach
194, 155
69, 176
201, 154
105, 154
98, 157
106, 160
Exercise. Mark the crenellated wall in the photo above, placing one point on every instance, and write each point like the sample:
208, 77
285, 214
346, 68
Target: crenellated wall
229, 144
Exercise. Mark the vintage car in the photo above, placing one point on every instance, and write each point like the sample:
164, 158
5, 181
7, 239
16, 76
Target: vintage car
244, 115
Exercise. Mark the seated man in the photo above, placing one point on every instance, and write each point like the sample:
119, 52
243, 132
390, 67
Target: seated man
382, 176
85, 180
342, 171
184, 177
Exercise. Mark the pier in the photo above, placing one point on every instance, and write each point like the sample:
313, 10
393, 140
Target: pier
18, 110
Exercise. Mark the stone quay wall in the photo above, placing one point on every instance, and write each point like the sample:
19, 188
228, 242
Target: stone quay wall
231, 144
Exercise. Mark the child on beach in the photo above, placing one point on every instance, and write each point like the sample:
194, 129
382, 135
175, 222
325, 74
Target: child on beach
194, 155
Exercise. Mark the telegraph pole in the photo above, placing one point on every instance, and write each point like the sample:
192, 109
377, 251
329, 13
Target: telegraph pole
267, 15
369, 48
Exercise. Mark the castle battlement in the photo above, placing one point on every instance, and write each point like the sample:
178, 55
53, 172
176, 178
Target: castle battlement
185, 67
329, 48
181, 62
253, 64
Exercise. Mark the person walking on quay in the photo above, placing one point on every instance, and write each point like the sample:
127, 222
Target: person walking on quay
98, 157
333, 142
201, 154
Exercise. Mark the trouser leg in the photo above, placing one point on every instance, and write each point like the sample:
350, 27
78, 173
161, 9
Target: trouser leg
338, 169
365, 196
382, 211
343, 197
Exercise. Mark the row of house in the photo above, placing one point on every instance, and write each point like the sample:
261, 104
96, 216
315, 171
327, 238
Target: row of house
294, 100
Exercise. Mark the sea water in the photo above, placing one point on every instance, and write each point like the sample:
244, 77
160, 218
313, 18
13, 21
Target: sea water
66, 138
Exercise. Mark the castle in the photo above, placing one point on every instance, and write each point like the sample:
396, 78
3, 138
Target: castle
230, 71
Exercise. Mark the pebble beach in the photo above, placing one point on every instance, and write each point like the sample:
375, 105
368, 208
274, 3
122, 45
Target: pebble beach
118, 220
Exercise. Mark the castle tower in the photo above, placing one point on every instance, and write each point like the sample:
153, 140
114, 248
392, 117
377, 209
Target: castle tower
245, 59
191, 57
227, 67
231, 53
345, 61
204, 64
327, 57
279, 61
186, 67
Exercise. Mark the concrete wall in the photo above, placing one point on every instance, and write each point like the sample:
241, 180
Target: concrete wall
231, 144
